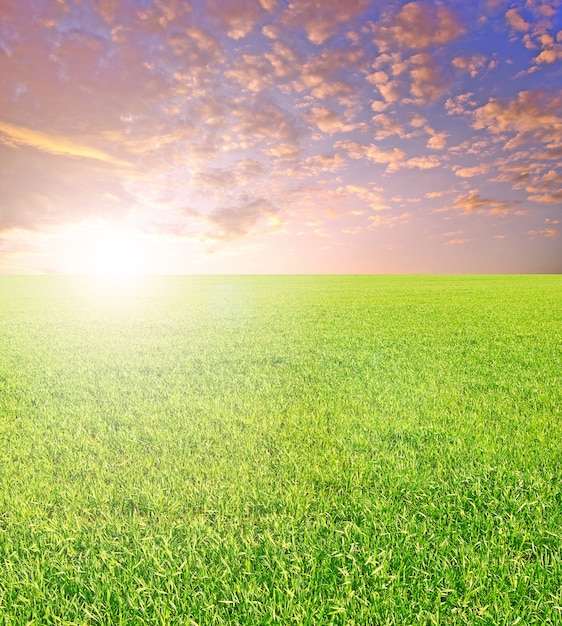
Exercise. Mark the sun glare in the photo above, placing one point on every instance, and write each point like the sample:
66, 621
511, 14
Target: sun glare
113, 254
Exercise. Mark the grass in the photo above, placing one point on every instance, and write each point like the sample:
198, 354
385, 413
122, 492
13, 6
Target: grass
276, 450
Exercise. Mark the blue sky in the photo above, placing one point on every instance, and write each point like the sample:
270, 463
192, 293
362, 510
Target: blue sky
169, 136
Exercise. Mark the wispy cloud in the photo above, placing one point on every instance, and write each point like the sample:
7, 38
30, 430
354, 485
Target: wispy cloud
13, 135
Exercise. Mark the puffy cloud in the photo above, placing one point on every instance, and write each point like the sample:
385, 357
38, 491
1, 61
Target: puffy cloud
251, 71
424, 162
387, 126
429, 81
285, 61
458, 105
517, 22
374, 199
551, 51
532, 115
548, 198
237, 17
417, 25
239, 174
257, 118
331, 74
327, 120
472, 64
394, 158
550, 231
388, 221
268, 5
470, 172
474, 203
436, 141
195, 47
390, 90
421, 75
321, 19
239, 220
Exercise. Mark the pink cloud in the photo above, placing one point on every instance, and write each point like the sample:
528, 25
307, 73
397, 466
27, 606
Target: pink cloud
321, 19
417, 25
474, 203
531, 115
517, 22
237, 17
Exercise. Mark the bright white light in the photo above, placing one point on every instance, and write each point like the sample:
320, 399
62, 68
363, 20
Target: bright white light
112, 253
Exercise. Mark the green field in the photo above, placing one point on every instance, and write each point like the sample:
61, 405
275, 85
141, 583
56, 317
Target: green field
281, 450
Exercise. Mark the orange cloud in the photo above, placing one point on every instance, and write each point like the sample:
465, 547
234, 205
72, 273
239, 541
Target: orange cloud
470, 172
393, 158
550, 198
327, 120
474, 203
55, 144
456, 242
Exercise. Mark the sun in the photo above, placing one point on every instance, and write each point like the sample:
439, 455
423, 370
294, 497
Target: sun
112, 252
112, 255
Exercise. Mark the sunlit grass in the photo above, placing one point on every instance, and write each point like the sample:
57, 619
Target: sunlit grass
276, 450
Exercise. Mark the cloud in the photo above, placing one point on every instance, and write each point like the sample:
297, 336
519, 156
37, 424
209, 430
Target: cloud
531, 115
390, 90
374, 199
39, 191
285, 60
394, 158
516, 22
424, 162
471, 64
331, 73
327, 120
251, 71
470, 172
321, 19
429, 81
457, 242
388, 221
422, 76
13, 135
550, 198
237, 17
458, 105
474, 204
547, 233
551, 51
256, 119
238, 221
196, 49
324, 163
417, 25
436, 141
387, 126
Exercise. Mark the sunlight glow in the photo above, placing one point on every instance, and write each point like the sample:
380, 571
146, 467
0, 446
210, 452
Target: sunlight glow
112, 253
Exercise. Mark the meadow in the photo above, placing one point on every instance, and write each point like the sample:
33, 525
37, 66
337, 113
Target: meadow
316, 450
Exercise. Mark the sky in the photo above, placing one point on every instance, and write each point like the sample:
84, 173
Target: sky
280, 136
